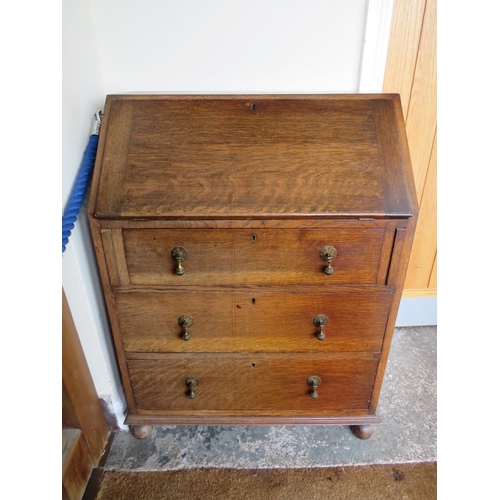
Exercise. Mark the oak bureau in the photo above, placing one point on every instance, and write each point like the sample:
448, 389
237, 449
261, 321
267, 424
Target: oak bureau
252, 252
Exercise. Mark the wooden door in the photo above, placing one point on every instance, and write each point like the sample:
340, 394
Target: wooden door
411, 72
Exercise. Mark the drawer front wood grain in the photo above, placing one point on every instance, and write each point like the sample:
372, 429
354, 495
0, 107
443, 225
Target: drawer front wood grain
255, 320
258, 381
253, 257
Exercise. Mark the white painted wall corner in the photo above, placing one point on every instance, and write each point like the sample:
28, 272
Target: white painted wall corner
375, 45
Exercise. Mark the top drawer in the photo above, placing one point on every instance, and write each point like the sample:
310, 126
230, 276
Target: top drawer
253, 256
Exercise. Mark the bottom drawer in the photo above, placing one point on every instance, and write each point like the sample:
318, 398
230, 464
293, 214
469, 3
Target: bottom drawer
252, 382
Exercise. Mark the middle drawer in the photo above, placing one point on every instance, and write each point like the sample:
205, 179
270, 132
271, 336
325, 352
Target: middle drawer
253, 320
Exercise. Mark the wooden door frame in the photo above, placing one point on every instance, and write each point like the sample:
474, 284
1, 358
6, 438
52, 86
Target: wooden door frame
85, 429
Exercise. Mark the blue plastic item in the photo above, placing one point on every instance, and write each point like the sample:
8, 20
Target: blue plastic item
81, 183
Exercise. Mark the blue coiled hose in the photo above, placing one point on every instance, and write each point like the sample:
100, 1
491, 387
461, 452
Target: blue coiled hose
81, 183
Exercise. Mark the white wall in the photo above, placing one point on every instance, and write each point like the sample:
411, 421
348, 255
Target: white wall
83, 95
229, 45
217, 46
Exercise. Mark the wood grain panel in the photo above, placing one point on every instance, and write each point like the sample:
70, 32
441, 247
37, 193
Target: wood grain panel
121, 261
360, 222
69, 417
101, 250
411, 72
260, 381
253, 257
253, 417
255, 320
422, 112
252, 97
118, 119
433, 278
401, 254
392, 162
215, 158
397, 265
80, 387
402, 53
425, 241
76, 465
109, 254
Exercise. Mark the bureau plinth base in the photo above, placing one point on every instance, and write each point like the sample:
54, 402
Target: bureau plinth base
141, 431
142, 425
362, 431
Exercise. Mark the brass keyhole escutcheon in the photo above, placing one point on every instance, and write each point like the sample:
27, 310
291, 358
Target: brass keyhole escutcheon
186, 322
179, 254
328, 253
192, 382
320, 321
313, 382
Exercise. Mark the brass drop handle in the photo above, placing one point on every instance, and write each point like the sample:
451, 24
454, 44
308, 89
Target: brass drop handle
327, 254
186, 322
179, 254
313, 382
192, 382
320, 321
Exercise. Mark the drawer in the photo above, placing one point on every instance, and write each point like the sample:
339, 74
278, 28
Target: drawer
253, 320
255, 256
257, 381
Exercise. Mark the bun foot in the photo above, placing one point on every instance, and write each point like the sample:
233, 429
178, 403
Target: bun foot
141, 431
362, 431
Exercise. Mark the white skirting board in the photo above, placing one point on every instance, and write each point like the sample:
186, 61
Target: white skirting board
417, 311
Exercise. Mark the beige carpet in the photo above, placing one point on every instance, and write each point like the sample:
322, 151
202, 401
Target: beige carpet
373, 482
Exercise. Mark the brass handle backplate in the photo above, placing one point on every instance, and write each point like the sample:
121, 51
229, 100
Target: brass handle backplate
327, 254
186, 322
179, 254
320, 321
313, 382
192, 382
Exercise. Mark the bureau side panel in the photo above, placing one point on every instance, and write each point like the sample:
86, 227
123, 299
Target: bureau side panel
105, 255
397, 272
401, 250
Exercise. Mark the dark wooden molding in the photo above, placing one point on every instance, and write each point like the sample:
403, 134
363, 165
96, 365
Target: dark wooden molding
82, 416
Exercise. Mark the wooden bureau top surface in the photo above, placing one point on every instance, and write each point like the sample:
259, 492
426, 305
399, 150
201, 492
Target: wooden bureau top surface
235, 157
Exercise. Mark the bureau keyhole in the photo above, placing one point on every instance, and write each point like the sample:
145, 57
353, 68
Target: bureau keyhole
253, 365
254, 301
254, 238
